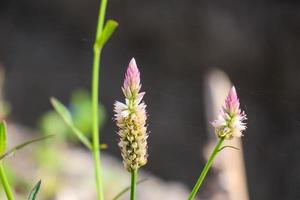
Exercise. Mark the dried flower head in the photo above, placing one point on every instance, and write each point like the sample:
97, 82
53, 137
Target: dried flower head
230, 119
131, 120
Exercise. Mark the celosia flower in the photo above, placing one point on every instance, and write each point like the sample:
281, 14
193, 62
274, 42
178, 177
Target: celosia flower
131, 120
230, 120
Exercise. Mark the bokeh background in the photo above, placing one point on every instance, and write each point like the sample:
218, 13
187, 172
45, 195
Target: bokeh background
45, 49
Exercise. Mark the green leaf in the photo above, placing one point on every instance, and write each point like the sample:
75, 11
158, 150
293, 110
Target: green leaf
67, 117
62, 111
107, 32
2, 137
34, 191
20, 146
127, 189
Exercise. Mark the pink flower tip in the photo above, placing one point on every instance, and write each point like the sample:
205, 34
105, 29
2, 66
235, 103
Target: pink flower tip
132, 78
232, 102
232, 93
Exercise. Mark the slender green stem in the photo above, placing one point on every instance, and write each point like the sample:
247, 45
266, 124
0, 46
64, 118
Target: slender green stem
101, 18
5, 184
96, 140
206, 169
95, 101
134, 174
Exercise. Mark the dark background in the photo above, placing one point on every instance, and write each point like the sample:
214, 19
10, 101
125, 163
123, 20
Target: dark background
45, 47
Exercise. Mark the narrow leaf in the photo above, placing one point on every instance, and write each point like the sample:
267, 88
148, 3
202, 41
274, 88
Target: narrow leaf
34, 191
107, 32
62, 111
20, 146
2, 137
81, 136
127, 189
224, 147
67, 117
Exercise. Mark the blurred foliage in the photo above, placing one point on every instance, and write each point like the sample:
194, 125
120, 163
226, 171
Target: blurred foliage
49, 161
20, 184
5, 109
80, 107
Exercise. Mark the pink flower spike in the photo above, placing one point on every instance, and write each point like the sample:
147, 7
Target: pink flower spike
130, 118
230, 123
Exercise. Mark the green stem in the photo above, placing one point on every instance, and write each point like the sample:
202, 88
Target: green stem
133, 184
5, 184
101, 17
96, 140
206, 169
95, 101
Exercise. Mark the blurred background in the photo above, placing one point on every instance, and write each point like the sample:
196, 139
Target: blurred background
46, 50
